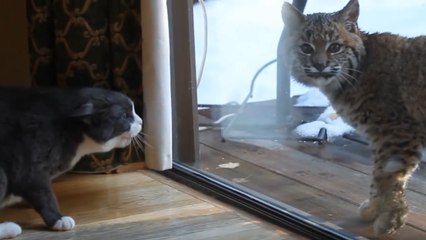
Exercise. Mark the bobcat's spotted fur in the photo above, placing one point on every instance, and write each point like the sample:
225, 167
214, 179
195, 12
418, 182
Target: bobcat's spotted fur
377, 83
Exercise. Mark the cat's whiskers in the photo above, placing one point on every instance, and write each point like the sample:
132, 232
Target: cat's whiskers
347, 78
350, 76
142, 138
339, 82
307, 70
342, 79
134, 148
351, 69
144, 134
136, 142
140, 141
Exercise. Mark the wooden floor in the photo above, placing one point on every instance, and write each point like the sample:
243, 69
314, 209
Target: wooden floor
140, 205
328, 181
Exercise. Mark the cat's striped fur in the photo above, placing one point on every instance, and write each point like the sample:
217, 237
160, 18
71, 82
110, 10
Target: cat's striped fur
377, 83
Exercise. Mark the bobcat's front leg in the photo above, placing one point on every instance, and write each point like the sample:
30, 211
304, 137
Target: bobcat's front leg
387, 205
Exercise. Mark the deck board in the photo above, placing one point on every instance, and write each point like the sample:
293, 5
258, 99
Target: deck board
326, 182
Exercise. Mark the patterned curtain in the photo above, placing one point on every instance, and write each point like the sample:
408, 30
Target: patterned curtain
74, 43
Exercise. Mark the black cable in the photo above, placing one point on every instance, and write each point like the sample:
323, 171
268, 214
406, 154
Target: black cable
250, 93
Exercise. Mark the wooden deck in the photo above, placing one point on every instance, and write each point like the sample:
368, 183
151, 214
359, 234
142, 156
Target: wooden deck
141, 205
328, 181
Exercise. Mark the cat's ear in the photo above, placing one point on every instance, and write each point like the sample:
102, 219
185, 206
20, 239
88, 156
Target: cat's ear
84, 109
291, 16
83, 113
349, 15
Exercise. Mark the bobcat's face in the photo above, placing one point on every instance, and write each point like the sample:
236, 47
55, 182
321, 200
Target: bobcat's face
321, 56
323, 48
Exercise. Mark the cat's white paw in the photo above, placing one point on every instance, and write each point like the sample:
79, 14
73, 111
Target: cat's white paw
64, 224
389, 222
9, 230
368, 212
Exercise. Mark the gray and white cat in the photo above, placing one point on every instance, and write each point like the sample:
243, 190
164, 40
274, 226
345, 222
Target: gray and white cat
45, 132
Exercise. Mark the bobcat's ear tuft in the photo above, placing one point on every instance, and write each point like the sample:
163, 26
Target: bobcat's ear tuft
292, 17
349, 15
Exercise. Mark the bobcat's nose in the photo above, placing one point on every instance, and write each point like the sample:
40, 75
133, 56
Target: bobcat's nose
319, 66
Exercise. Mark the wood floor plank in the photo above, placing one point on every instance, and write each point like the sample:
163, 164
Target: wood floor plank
136, 206
201, 227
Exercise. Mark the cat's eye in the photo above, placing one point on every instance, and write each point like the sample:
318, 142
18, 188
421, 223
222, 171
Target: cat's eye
306, 48
124, 116
334, 48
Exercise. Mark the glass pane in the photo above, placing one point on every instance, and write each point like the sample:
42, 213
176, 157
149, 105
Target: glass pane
307, 158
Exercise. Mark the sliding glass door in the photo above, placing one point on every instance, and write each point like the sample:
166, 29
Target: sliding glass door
246, 131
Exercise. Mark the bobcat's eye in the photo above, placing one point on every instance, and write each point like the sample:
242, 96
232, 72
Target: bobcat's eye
334, 48
306, 48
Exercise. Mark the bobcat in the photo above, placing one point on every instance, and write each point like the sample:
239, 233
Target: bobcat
377, 83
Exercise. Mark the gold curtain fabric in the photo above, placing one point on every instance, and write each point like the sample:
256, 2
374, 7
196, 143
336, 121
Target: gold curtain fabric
75, 43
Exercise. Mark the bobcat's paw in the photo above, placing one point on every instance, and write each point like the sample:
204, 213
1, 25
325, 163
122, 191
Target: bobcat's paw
368, 211
9, 230
64, 224
388, 222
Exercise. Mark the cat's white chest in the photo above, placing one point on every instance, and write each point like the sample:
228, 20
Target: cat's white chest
75, 160
86, 147
89, 146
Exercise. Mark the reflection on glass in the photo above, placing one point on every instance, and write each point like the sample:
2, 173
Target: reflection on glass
310, 160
